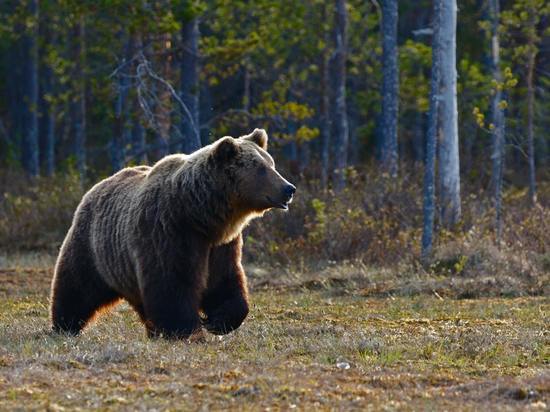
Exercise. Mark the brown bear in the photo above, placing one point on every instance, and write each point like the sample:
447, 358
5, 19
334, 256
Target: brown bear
167, 239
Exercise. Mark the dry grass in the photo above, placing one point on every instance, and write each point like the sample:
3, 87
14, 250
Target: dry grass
309, 343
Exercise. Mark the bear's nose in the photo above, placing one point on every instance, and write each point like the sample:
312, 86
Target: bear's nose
290, 189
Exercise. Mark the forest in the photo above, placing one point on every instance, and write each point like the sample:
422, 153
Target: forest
417, 135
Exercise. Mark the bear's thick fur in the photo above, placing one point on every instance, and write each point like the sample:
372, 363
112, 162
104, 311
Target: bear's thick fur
168, 239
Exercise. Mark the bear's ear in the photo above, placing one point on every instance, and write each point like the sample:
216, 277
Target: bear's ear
258, 136
226, 148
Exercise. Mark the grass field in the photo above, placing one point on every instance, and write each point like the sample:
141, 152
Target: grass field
306, 345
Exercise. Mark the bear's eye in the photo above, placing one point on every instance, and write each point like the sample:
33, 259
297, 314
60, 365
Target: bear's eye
262, 170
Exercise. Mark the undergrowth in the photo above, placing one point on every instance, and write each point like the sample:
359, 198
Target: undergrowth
376, 221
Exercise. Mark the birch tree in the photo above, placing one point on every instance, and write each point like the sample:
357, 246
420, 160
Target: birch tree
497, 117
532, 53
449, 167
431, 138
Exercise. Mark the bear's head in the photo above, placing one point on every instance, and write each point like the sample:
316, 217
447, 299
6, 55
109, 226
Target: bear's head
258, 186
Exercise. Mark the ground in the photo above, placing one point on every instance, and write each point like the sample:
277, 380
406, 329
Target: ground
305, 345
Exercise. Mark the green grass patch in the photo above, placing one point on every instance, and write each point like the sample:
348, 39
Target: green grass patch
300, 348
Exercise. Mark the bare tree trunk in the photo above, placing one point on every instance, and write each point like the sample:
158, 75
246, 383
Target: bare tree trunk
117, 144
390, 86
340, 112
431, 139
122, 123
49, 124
45, 85
498, 119
164, 104
324, 108
14, 95
138, 131
190, 85
79, 103
30, 135
530, 120
449, 164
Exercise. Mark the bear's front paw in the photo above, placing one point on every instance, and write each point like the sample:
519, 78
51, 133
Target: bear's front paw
173, 332
225, 318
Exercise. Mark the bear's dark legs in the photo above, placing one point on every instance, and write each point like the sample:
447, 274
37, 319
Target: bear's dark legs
77, 293
226, 316
225, 301
171, 284
171, 313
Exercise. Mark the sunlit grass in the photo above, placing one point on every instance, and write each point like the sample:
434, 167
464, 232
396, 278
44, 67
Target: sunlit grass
303, 348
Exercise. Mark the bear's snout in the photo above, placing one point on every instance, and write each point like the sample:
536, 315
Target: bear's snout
288, 192
286, 195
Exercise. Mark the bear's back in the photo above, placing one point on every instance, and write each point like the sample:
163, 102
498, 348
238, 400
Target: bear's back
121, 184
166, 166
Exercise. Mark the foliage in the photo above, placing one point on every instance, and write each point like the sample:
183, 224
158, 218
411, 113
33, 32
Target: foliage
37, 215
276, 46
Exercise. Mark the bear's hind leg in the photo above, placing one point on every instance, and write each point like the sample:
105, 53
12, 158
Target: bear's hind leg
78, 292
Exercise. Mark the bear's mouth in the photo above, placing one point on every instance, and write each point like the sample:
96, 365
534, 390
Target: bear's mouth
279, 205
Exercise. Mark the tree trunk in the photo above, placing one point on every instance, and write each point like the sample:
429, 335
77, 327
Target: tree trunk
340, 112
30, 135
497, 119
390, 86
530, 120
324, 106
117, 144
190, 85
161, 139
431, 139
79, 103
14, 96
449, 166
139, 152
138, 142
164, 104
49, 123
122, 123
49, 156
47, 106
